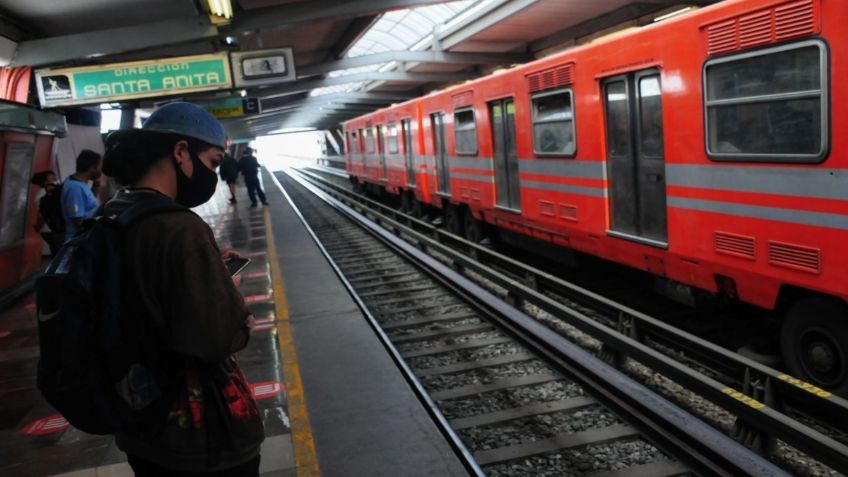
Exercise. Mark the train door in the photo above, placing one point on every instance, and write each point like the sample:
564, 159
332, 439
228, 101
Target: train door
381, 144
406, 131
507, 185
635, 156
368, 141
438, 120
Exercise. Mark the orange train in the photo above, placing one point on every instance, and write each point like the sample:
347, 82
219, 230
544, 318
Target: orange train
708, 149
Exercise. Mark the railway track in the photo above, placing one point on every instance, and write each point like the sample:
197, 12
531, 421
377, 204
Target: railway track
797, 425
515, 397
816, 405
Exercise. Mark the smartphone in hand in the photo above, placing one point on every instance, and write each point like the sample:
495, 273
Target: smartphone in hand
236, 265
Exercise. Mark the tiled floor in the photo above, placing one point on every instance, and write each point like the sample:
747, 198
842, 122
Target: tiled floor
35, 441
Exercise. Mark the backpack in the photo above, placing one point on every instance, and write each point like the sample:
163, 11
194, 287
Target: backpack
98, 365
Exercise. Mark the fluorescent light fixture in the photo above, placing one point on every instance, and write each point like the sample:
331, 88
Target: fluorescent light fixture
673, 14
220, 8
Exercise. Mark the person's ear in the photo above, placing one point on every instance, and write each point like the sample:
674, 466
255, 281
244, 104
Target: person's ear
180, 151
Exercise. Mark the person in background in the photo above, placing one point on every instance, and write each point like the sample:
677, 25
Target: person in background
78, 202
249, 168
229, 173
187, 298
50, 210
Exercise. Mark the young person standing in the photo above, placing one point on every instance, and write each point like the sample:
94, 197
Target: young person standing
181, 289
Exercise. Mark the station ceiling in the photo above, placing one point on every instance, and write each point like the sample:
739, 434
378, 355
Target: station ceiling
350, 56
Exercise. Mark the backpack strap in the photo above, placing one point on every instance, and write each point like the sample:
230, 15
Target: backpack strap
153, 205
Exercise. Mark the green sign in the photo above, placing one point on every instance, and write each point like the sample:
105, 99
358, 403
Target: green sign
138, 79
230, 107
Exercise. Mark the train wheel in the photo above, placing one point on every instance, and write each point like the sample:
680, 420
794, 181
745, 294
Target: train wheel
474, 229
814, 343
454, 220
406, 200
418, 210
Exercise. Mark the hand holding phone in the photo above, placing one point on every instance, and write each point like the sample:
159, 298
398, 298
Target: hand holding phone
236, 265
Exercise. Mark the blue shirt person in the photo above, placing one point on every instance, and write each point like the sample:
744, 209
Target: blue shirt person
78, 202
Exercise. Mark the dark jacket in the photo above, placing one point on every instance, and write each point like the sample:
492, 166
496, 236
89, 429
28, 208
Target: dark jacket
50, 209
248, 166
229, 169
214, 422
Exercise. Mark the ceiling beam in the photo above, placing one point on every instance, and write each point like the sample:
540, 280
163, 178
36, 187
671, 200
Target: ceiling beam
298, 121
301, 86
377, 98
414, 56
355, 108
14, 29
497, 11
618, 16
311, 11
285, 115
112, 41
95, 44
279, 115
351, 35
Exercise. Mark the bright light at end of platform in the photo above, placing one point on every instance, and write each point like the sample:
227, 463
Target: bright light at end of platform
280, 151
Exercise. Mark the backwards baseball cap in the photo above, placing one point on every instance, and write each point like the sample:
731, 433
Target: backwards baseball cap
184, 119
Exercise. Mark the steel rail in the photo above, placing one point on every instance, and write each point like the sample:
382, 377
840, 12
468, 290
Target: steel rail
442, 424
763, 416
677, 431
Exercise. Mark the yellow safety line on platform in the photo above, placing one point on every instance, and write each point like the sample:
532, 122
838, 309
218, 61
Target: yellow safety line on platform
305, 456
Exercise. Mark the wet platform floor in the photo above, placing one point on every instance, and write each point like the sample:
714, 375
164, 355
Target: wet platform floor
333, 401
36, 441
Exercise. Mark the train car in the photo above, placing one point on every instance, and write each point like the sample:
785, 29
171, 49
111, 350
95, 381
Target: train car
405, 171
26, 146
708, 150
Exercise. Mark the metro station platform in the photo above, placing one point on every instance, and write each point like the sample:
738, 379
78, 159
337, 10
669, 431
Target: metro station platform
332, 400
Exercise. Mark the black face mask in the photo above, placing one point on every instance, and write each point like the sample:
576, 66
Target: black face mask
197, 189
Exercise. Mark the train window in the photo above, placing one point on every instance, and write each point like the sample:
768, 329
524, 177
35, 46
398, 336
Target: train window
465, 131
361, 148
392, 138
650, 116
15, 194
354, 143
553, 124
768, 105
618, 119
369, 141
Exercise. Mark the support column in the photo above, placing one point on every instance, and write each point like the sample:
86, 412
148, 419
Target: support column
127, 118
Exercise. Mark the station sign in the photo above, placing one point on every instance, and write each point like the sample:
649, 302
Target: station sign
137, 79
230, 107
263, 67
